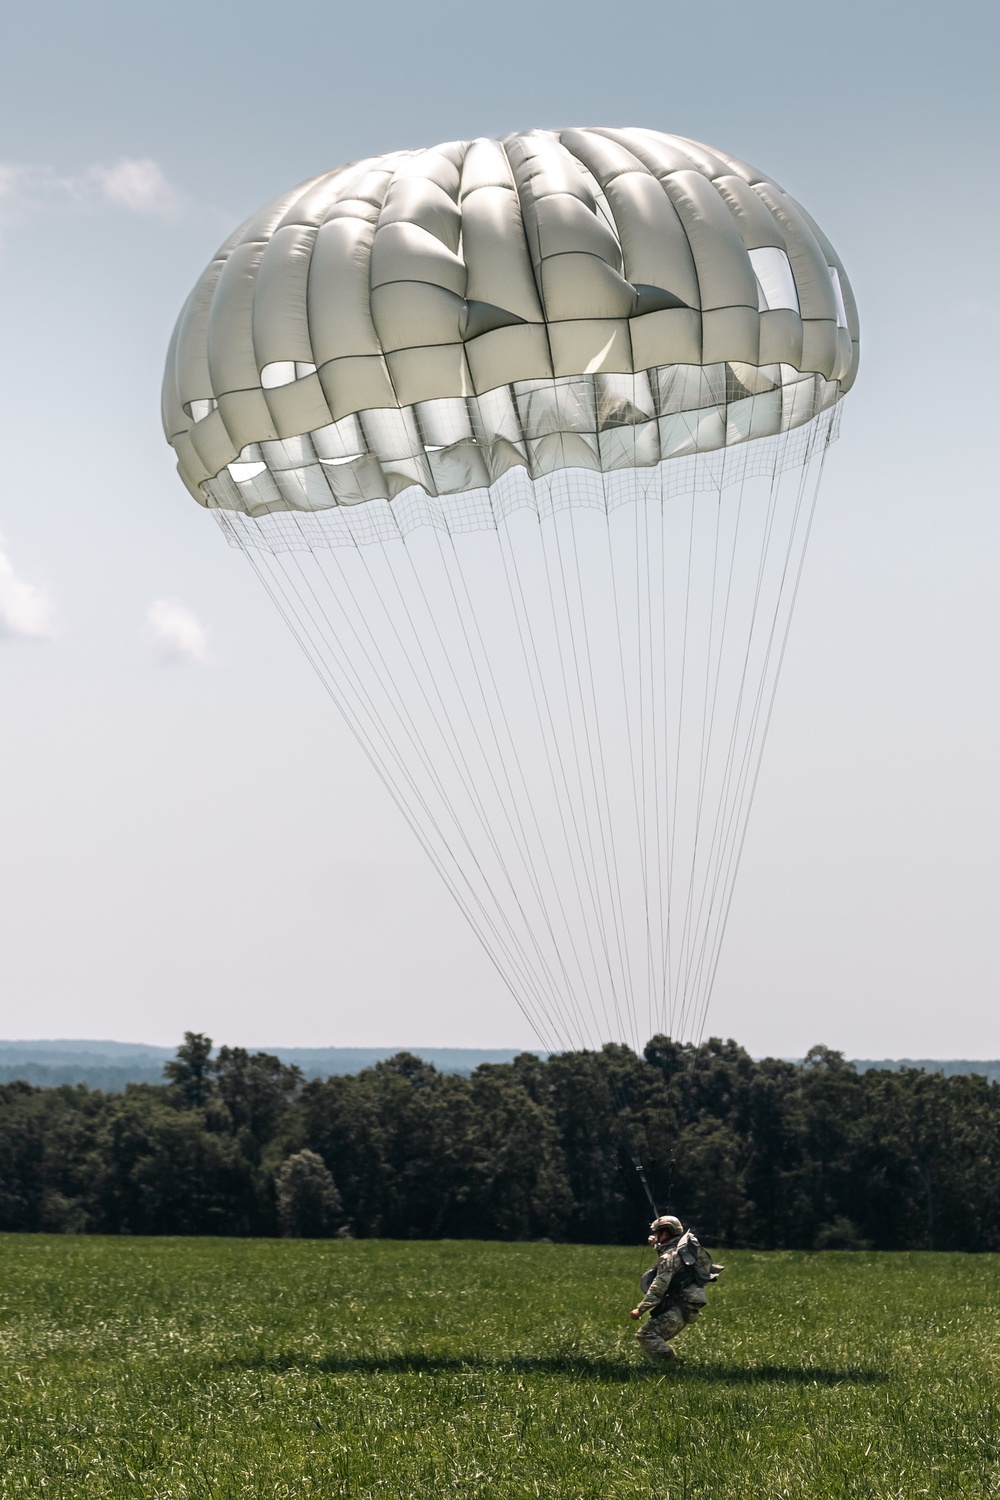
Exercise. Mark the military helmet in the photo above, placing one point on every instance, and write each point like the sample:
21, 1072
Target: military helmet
667, 1221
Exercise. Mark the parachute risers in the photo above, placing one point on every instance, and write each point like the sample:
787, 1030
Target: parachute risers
524, 439
640, 1173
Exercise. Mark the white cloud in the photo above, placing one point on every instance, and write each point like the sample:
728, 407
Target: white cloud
12, 185
137, 183
23, 189
24, 609
134, 183
177, 631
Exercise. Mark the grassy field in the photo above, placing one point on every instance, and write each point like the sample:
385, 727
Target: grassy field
228, 1368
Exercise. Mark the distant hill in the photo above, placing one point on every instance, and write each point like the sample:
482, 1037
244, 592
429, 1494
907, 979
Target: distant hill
986, 1068
101, 1065
111, 1065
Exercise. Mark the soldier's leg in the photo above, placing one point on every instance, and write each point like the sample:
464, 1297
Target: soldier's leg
654, 1336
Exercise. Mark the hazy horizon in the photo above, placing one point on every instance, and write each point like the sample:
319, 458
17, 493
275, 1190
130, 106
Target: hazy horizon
89, 1045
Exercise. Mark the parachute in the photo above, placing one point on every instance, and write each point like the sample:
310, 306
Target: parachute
523, 439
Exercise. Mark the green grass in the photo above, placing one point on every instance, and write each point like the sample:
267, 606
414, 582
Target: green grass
222, 1368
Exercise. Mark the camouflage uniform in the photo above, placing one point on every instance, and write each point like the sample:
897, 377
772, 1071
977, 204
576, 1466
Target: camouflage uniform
676, 1294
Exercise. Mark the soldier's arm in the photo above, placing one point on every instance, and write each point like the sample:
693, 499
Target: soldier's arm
660, 1285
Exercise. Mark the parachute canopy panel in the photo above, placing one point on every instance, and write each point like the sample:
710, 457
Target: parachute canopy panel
578, 299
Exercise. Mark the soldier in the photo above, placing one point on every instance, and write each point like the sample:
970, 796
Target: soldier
674, 1294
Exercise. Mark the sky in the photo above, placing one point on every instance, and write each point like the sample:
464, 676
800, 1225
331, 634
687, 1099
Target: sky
189, 838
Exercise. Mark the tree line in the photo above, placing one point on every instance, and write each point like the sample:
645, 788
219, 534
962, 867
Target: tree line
769, 1153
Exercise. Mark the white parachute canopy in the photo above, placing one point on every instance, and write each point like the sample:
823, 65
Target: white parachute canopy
524, 440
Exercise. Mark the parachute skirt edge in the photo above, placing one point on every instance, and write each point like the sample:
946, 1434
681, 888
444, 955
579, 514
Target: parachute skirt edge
483, 509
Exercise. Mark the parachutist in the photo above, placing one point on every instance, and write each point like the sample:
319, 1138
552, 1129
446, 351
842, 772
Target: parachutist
674, 1291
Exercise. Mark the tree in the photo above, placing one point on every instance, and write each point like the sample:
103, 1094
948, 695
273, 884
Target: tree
309, 1205
585, 1088
518, 1188
258, 1091
766, 1153
710, 1191
190, 1072
166, 1172
48, 1164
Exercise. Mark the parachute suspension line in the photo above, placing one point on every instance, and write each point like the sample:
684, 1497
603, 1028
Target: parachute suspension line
453, 743
566, 634
562, 793
507, 945
576, 708
626, 673
568, 592
598, 763
664, 824
276, 592
552, 744
638, 776
383, 760
672, 761
570, 707
566, 610
653, 733
716, 847
657, 716
562, 627
704, 746
586, 816
570, 631
699, 758
672, 842
640, 779
647, 717
713, 651
722, 634
496, 713
733, 810
704, 757
814, 499
569, 597
652, 631
385, 677
728, 808
507, 805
